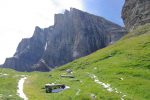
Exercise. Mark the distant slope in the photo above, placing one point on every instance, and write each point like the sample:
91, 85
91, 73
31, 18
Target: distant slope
119, 71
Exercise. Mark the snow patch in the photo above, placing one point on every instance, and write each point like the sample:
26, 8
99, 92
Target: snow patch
106, 86
20, 88
3, 74
58, 90
45, 46
122, 98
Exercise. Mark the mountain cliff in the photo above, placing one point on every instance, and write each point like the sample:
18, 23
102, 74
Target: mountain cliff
74, 34
136, 13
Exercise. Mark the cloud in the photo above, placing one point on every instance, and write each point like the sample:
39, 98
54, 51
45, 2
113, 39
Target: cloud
19, 18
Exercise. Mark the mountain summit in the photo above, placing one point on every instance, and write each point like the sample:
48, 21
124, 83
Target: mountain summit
74, 34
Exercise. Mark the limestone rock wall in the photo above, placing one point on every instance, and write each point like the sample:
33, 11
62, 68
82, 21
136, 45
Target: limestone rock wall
136, 13
75, 34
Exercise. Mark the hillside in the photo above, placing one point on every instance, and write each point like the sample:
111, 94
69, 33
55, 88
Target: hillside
119, 71
123, 69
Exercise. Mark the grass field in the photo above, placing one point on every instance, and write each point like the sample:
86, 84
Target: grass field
8, 84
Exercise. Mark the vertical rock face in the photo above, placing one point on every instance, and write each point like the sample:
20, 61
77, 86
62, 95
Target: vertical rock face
75, 34
29, 51
135, 13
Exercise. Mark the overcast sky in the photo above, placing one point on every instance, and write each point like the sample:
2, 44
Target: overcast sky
18, 18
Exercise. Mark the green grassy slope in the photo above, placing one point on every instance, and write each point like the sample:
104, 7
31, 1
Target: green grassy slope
124, 65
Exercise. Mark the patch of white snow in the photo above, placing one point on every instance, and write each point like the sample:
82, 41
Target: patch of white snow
106, 86
58, 90
122, 98
45, 46
3, 74
20, 88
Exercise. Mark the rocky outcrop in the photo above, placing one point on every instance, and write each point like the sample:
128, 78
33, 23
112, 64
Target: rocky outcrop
29, 51
75, 34
136, 13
